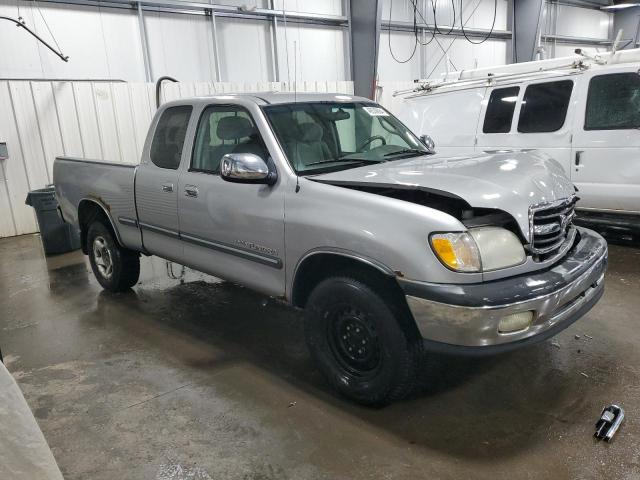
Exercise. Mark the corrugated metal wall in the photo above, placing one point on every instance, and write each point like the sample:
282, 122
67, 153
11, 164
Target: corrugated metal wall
41, 120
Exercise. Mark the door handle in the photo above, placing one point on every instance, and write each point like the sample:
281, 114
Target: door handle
167, 187
578, 157
191, 191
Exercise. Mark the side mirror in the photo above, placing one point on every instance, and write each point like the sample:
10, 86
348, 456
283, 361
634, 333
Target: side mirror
428, 142
246, 168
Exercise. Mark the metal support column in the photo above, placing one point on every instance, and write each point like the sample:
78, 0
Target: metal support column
216, 52
274, 45
366, 21
145, 44
527, 25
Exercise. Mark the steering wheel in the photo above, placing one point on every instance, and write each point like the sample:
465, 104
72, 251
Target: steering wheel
370, 140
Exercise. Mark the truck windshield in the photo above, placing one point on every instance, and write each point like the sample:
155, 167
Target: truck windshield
318, 137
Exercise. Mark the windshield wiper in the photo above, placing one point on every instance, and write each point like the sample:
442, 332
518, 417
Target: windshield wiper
404, 151
344, 159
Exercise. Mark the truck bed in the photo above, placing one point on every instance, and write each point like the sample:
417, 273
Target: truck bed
111, 185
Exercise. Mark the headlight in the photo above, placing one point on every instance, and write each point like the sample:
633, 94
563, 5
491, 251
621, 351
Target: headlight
499, 247
479, 249
458, 251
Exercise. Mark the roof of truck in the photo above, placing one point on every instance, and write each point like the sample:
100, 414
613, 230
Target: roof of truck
268, 98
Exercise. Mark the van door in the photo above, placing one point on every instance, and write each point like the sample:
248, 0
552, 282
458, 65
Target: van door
156, 184
541, 119
234, 231
449, 118
606, 144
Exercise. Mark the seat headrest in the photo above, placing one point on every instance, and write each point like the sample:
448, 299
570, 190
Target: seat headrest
233, 128
310, 132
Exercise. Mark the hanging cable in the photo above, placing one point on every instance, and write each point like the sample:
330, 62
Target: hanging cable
417, 12
451, 44
493, 24
434, 6
433, 35
415, 36
63, 57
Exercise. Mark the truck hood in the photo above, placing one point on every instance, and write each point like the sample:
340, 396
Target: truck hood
511, 181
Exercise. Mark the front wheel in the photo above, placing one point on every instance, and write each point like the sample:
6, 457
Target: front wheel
361, 341
116, 268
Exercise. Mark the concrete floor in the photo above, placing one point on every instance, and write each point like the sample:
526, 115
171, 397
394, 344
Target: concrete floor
206, 380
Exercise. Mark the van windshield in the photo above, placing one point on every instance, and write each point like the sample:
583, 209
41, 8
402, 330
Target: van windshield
318, 137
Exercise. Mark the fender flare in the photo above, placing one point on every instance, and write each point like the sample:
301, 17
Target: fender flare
105, 210
341, 252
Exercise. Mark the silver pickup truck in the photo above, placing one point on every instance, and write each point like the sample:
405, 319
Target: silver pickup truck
331, 204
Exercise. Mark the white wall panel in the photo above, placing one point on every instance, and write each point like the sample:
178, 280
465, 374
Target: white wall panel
65, 101
181, 46
582, 22
108, 121
462, 55
312, 52
100, 42
245, 49
87, 120
400, 46
328, 7
15, 173
47, 122
29, 133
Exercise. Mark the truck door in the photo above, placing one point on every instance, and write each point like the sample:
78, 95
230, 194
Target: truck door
156, 184
606, 142
231, 230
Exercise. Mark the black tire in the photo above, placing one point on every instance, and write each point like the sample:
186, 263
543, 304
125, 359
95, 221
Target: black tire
343, 313
116, 268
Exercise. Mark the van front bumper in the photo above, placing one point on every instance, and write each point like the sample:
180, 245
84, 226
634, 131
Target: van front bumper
466, 317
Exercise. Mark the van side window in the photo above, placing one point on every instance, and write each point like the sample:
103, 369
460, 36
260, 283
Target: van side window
544, 106
502, 104
224, 129
613, 102
168, 139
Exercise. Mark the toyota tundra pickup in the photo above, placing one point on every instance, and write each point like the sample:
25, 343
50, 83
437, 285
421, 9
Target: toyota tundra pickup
333, 205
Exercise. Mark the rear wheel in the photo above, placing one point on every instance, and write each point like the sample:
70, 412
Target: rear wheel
361, 340
116, 268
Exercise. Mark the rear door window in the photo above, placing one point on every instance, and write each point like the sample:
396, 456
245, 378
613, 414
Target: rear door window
168, 139
500, 108
613, 102
544, 107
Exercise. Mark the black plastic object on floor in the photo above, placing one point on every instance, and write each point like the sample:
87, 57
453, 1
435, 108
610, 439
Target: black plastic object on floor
57, 235
609, 422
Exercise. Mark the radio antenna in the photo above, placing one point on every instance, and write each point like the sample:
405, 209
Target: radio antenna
295, 71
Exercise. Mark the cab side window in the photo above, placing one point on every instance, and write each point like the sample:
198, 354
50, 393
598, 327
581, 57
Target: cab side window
224, 129
500, 108
613, 102
544, 107
168, 139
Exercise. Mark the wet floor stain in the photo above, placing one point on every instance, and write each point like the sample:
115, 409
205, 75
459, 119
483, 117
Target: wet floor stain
189, 376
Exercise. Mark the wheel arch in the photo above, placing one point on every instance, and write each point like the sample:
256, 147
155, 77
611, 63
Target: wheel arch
90, 209
319, 264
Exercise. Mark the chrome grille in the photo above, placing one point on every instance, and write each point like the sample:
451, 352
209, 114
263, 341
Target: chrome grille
550, 224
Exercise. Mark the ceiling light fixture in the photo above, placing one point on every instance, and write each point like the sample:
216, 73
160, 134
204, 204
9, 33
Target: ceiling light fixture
621, 4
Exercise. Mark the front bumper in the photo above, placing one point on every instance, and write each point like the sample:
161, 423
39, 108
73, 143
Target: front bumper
465, 317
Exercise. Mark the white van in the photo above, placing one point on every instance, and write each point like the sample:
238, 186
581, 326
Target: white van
584, 111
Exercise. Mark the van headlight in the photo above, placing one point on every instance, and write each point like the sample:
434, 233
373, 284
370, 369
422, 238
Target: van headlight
478, 250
